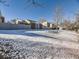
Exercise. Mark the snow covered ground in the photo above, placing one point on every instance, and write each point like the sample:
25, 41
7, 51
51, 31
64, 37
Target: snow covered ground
39, 44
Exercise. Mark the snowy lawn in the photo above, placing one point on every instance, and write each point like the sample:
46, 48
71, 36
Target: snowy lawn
39, 44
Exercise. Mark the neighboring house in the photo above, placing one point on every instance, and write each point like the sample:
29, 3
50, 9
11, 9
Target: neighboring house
53, 26
38, 25
9, 26
45, 25
29, 22
16, 21
32, 23
18, 24
2, 19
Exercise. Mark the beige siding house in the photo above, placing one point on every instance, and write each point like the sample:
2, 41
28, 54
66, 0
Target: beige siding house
45, 25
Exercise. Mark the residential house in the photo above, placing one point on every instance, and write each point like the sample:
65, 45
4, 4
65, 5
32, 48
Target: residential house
30, 22
53, 26
2, 19
16, 21
45, 25
38, 25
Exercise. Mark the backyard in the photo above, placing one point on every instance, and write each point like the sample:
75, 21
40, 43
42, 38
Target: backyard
44, 44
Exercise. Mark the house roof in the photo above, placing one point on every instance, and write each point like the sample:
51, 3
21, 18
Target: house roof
32, 21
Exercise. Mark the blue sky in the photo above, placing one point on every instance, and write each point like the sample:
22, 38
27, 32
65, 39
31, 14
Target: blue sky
23, 10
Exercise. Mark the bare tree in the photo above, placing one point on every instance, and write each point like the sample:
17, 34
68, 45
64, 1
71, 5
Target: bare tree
35, 3
67, 24
58, 16
76, 24
4, 2
42, 19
